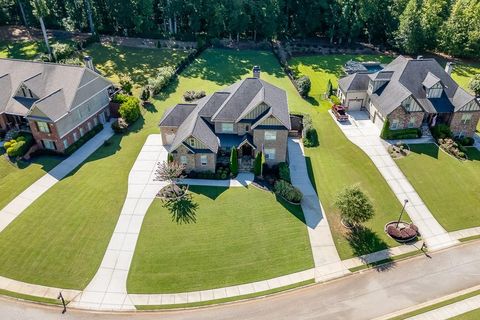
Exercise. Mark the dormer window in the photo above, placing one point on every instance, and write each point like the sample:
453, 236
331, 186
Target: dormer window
435, 91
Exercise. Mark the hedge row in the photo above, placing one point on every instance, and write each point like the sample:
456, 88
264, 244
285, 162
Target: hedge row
87, 136
400, 134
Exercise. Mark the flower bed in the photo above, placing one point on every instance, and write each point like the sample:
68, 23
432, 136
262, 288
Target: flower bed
398, 150
453, 148
403, 232
173, 192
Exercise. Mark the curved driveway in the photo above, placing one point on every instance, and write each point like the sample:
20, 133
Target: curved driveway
364, 295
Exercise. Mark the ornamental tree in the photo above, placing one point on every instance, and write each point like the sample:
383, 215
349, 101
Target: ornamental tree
474, 84
234, 161
355, 207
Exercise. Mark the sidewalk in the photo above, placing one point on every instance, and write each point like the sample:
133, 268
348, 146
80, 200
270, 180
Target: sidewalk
451, 310
242, 180
362, 132
12, 210
108, 288
327, 261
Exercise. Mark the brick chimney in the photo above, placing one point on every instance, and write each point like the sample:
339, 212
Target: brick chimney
88, 62
256, 72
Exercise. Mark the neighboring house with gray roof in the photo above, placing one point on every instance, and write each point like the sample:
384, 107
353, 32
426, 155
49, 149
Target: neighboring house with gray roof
250, 115
411, 93
56, 103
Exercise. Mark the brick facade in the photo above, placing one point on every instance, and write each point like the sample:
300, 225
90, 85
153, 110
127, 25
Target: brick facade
194, 160
404, 117
69, 137
464, 129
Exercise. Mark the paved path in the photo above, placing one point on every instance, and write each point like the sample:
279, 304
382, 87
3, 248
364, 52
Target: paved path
465, 233
325, 255
362, 132
242, 180
364, 295
108, 288
12, 210
221, 293
451, 310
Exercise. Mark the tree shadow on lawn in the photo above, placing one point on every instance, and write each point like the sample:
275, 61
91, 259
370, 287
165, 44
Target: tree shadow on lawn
428, 149
210, 192
363, 241
473, 154
183, 210
226, 66
168, 90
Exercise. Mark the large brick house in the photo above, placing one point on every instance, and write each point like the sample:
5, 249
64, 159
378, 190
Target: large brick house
56, 103
411, 93
250, 115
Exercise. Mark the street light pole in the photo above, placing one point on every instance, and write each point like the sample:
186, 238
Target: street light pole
401, 213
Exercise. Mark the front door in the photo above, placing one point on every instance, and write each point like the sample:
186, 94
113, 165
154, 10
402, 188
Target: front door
247, 150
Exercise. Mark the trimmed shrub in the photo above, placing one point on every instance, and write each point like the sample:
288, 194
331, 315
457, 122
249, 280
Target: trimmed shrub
303, 85
287, 191
126, 84
234, 161
62, 51
192, 95
165, 74
170, 157
329, 91
257, 166
119, 126
450, 146
130, 110
87, 136
310, 139
400, 134
284, 171
19, 146
120, 98
441, 131
465, 141
145, 95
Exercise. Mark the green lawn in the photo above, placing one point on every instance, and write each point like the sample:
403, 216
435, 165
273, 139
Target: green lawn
139, 63
321, 68
21, 49
449, 187
236, 235
15, 178
472, 315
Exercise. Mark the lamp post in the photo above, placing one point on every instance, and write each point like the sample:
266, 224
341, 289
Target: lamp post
60, 297
401, 213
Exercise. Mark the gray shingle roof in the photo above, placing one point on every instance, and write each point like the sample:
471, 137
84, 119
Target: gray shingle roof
59, 87
412, 77
174, 117
354, 82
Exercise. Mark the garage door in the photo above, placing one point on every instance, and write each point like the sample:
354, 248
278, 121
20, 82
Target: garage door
378, 121
354, 104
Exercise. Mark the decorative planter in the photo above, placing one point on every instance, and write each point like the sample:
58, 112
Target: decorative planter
405, 232
175, 198
346, 225
292, 203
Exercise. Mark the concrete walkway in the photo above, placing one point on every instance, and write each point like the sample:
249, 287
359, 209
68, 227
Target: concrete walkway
362, 132
465, 233
327, 261
12, 210
451, 310
222, 293
242, 180
108, 288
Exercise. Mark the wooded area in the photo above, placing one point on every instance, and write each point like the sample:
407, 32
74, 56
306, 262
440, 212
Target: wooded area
411, 26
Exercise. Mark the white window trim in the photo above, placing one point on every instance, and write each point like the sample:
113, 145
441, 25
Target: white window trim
82, 132
269, 153
203, 157
230, 125
183, 160
65, 143
75, 136
43, 124
466, 118
395, 123
49, 141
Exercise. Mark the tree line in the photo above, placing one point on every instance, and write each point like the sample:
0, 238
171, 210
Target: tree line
412, 26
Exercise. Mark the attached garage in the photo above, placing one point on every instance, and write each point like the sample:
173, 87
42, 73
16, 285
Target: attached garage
354, 104
378, 121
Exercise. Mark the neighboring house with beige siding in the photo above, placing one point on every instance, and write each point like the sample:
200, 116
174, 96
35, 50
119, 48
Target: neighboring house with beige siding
250, 115
56, 103
411, 93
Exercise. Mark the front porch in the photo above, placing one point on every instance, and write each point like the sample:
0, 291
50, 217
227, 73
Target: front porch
245, 151
14, 122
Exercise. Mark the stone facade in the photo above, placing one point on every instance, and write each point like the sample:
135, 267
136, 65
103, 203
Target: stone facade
279, 144
404, 117
467, 129
194, 160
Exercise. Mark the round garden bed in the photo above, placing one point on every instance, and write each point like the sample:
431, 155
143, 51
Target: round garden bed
403, 232
173, 192
398, 150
